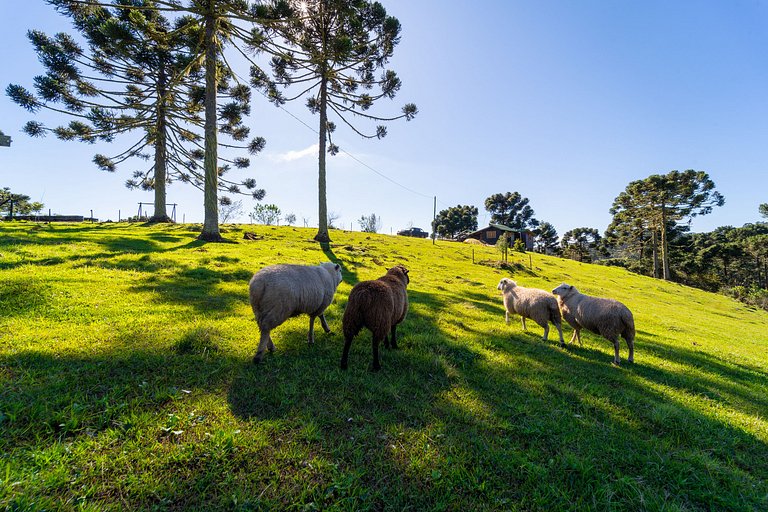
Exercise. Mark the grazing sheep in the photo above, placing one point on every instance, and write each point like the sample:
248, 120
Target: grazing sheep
538, 305
278, 292
378, 305
607, 317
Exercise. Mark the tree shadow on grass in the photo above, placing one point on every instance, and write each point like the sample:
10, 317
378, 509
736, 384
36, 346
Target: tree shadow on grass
740, 387
112, 243
348, 273
445, 424
50, 397
199, 288
448, 424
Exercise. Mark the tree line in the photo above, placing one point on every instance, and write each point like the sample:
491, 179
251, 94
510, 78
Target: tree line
649, 234
158, 73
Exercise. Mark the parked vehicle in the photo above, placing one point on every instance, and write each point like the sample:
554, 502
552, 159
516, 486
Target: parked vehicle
417, 232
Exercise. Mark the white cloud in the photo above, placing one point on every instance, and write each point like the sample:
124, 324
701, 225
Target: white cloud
290, 156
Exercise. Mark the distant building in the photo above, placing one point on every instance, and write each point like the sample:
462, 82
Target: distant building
491, 234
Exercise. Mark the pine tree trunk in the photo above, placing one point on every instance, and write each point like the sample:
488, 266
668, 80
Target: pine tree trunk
655, 249
211, 222
664, 247
322, 231
160, 170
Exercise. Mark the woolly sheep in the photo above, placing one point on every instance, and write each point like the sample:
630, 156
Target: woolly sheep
538, 305
378, 305
278, 292
607, 317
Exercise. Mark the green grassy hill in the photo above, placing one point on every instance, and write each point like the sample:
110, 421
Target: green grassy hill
126, 383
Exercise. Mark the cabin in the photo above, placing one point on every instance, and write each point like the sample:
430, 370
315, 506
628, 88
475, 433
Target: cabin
491, 234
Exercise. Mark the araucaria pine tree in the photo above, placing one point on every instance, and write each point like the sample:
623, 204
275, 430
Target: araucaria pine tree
511, 210
139, 73
659, 203
335, 53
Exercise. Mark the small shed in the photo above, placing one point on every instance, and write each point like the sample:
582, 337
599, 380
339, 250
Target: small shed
491, 234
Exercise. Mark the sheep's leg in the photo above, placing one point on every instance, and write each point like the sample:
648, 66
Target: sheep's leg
264, 342
506, 317
615, 342
394, 336
524, 328
270, 345
311, 335
376, 361
546, 332
576, 335
324, 323
386, 341
631, 345
345, 353
560, 332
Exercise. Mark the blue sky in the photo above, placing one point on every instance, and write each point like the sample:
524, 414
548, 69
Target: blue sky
565, 102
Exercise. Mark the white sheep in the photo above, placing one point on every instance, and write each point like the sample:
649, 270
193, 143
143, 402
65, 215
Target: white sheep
279, 292
607, 317
538, 305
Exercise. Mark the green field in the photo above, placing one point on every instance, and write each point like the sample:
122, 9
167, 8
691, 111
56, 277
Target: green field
126, 382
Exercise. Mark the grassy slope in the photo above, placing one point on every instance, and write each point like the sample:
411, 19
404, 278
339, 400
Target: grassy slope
125, 381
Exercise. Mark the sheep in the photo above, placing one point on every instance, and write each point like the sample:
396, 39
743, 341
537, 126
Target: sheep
278, 292
607, 317
378, 305
538, 305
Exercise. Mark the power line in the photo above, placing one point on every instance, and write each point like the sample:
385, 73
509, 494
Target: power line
353, 157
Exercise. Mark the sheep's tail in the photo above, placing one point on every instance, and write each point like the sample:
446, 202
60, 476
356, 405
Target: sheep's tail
255, 293
554, 312
629, 326
352, 321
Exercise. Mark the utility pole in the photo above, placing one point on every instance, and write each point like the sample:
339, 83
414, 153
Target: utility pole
434, 218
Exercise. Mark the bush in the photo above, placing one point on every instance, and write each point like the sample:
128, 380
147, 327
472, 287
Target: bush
753, 296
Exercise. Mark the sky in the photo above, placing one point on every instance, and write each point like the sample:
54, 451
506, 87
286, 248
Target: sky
563, 101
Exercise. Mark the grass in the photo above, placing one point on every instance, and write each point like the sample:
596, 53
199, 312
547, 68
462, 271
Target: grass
126, 383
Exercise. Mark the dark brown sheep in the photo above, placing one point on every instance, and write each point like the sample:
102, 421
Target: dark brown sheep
378, 305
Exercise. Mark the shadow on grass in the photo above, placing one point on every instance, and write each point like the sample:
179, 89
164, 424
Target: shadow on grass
514, 423
49, 398
348, 273
460, 420
445, 424
199, 288
108, 238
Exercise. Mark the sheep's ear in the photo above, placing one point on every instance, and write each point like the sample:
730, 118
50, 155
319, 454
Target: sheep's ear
337, 267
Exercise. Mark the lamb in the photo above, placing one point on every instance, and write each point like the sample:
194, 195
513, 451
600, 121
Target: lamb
278, 292
607, 317
378, 305
538, 305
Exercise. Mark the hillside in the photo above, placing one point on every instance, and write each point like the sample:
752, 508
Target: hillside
126, 383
